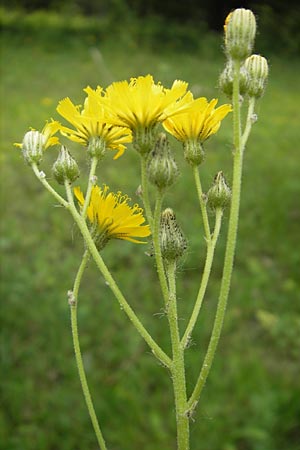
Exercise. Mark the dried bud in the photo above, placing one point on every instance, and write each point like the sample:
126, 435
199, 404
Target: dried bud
219, 194
96, 148
240, 30
257, 67
33, 146
226, 79
172, 240
193, 152
65, 167
162, 167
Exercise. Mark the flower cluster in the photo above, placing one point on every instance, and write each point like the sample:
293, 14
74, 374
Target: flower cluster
109, 119
131, 111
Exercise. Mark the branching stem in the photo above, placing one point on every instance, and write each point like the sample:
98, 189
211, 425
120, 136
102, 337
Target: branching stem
156, 349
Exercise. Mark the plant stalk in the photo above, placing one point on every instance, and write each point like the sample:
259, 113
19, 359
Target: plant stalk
79, 362
230, 246
91, 183
157, 250
202, 203
145, 191
177, 367
211, 245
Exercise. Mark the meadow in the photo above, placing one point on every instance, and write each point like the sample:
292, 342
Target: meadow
252, 398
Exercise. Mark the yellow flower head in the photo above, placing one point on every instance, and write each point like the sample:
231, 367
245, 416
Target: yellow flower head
199, 122
91, 122
113, 217
141, 103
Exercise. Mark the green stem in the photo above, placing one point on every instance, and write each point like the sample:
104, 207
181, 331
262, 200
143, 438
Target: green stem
81, 269
157, 248
177, 367
91, 183
202, 203
42, 178
211, 245
82, 376
156, 349
145, 190
230, 246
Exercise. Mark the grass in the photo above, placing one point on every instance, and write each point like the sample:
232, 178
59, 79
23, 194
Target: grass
251, 400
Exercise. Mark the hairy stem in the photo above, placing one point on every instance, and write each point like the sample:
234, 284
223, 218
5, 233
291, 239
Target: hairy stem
177, 367
91, 183
42, 178
73, 301
211, 245
202, 203
157, 249
145, 190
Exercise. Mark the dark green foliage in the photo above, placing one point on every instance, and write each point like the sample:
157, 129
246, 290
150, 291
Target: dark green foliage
251, 400
137, 22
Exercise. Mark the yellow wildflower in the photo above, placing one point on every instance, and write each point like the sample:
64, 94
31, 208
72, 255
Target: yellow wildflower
113, 217
199, 122
91, 123
141, 103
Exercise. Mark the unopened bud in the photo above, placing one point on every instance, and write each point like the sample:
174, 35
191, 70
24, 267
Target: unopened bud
226, 79
193, 152
96, 148
219, 194
172, 240
162, 167
240, 30
33, 146
257, 67
65, 167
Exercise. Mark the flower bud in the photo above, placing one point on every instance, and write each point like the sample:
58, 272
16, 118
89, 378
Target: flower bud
162, 167
219, 194
193, 152
33, 146
257, 67
172, 240
65, 167
226, 79
240, 30
96, 148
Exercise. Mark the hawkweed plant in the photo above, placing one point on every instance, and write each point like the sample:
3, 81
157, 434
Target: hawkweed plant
143, 112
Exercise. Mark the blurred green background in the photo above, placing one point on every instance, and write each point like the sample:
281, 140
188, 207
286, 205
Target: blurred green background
53, 49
